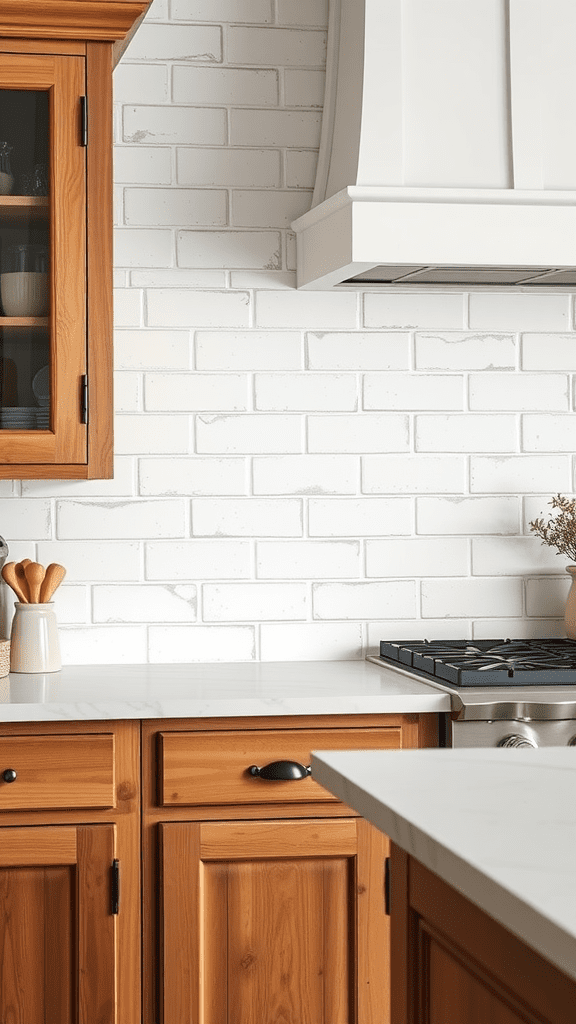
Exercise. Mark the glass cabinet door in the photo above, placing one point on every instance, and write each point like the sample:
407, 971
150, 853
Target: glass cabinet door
42, 259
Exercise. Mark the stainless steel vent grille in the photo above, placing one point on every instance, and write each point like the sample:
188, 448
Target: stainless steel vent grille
390, 274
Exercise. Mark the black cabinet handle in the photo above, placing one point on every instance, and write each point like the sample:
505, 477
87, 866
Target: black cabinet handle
280, 771
9, 775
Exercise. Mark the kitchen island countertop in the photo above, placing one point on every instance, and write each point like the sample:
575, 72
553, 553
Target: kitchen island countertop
498, 825
222, 689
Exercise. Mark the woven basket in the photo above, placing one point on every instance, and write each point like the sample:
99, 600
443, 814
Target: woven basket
4, 658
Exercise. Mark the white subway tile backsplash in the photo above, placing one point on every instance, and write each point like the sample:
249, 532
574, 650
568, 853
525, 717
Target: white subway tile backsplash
177, 125
465, 515
268, 209
496, 391
277, 46
256, 517
248, 434
101, 561
546, 598
248, 350
306, 309
413, 310
259, 168
230, 249
198, 560
180, 307
151, 435
142, 247
296, 129
192, 475
548, 433
257, 11
358, 350
176, 42
513, 556
223, 86
175, 206
359, 517
307, 559
22, 518
298, 474
174, 644
367, 433
245, 602
469, 433
122, 520
519, 474
364, 600
140, 83
413, 474
457, 350
195, 392
472, 597
303, 88
549, 352
104, 645
414, 391
305, 474
145, 350
141, 165
522, 311
144, 603
417, 557
311, 641
293, 392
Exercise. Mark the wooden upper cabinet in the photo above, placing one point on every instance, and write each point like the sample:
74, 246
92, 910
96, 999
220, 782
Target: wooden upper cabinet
56, 406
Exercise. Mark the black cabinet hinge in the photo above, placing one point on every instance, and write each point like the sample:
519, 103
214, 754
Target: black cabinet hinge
387, 886
115, 887
84, 398
83, 120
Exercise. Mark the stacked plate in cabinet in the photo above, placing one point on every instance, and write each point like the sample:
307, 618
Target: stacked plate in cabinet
18, 417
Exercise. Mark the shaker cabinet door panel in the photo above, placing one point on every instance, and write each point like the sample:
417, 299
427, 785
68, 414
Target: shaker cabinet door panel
58, 944
42, 260
263, 921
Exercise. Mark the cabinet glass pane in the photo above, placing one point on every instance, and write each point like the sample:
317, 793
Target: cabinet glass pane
25, 325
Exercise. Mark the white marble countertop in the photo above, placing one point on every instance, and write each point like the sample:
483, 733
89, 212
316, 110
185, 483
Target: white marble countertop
499, 825
95, 692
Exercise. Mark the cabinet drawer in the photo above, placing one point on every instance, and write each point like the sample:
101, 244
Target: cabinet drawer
57, 772
213, 767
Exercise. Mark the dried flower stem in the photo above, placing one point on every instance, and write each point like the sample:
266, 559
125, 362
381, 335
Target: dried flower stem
560, 531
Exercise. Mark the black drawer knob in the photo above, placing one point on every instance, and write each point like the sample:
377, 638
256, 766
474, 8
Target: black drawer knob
280, 771
9, 775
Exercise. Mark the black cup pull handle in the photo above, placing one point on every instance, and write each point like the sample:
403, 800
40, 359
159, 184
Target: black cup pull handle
9, 775
280, 771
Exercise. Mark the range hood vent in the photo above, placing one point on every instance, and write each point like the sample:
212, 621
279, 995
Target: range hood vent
448, 149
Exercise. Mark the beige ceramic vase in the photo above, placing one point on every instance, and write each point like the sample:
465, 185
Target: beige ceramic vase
570, 609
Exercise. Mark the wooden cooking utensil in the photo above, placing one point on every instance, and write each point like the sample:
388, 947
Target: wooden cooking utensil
34, 576
54, 575
9, 575
19, 569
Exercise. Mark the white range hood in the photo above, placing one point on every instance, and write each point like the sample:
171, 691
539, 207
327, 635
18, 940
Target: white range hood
448, 150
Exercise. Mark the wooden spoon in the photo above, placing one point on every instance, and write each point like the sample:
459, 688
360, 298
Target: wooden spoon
9, 575
54, 575
19, 569
34, 576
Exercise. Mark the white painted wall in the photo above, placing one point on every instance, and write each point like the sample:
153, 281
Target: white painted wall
298, 474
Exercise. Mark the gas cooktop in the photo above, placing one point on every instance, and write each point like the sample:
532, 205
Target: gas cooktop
486, 662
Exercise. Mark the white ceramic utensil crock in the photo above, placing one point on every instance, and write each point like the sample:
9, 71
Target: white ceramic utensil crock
34, 642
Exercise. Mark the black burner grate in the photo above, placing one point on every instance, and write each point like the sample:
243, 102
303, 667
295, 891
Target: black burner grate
487, 662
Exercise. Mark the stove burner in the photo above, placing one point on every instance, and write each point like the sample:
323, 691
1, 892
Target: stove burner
487, 662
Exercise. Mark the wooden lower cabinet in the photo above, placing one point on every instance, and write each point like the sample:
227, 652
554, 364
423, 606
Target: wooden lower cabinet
262, 921
70, 950
454, 964
264, 900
